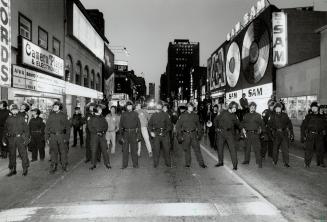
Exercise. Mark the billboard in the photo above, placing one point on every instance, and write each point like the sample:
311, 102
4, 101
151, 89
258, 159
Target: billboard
280, 47
217, 71
86, 34
5, 44
39, 58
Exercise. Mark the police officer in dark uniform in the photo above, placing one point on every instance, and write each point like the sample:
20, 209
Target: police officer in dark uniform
225, 124
267, 140
24, 108
89, 114
130, 131
188, 127
57, 134
17, 136
77, 123
160, 127
98, 127
252, 126
37, 127
282, 130
313, 131
4, 113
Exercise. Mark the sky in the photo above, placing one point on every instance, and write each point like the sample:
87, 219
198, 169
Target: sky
145, 27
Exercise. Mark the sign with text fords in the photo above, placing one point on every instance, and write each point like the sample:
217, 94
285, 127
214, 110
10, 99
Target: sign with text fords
39, 58
5, 44
280, 46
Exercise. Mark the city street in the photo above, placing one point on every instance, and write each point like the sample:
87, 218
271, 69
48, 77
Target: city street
165, 194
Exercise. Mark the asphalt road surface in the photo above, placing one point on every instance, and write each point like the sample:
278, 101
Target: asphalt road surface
273, 193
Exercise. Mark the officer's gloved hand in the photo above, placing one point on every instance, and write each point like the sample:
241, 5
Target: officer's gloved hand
292, 137
121, 141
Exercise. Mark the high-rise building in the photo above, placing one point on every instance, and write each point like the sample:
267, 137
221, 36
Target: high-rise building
152, 91
163, 91
182, 56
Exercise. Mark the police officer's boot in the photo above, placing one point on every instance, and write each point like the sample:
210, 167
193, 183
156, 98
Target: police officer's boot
53, 169
235, 167
108, 166
12, 172
203, 165
219, 164
64, 167
25, 171
93, 167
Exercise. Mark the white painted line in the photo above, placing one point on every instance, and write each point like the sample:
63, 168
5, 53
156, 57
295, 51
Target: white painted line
96, 211
56, 182
237, 177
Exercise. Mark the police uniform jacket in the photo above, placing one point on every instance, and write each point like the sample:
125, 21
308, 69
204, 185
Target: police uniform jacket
97, 124
129, 120
158, 121
16, 125
252, 121
314, 123
37, 126
188, 122
280, 122
57, 123
226, 121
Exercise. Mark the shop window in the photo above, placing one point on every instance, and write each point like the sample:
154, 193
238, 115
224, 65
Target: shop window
43, 38
56, 46
92, 79
297, 107
25, 27
86, 76
98, 82
78, 73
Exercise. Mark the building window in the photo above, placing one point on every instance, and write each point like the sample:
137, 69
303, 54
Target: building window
78, 73
98, 82
86, 76
92, 79
56, 46
43, 38
25, 27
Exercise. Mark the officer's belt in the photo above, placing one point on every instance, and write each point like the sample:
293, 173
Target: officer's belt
36, 131
281, 129
58, 133
189, 131
160, 131
129, 130
317, 132
220, 130
100, 133
252, 131
14, 135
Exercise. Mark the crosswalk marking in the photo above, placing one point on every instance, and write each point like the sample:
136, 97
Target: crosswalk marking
94, 211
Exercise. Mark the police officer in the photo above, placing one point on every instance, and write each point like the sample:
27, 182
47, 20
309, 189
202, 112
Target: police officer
313, 130
98, 127
252, 126
24, 108
130, 130
282, 131
267, 143
160, 127
57, 134
17, 137
4, 113
89, 114
36, 127
188, 126
225, 124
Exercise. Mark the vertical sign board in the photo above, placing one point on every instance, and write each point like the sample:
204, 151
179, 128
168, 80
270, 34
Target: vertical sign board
280, 46
5, 44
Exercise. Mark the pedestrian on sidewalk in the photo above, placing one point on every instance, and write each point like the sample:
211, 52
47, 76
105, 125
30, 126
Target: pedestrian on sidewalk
130, 131
77, 123
313, 131
160, 127
251, 127
267, 140
98, 127
144, 118
16, 138
37, 127
211, 115
4, 114
226, 124
88, 116
113, 126
282, 131
57, 135
188, 128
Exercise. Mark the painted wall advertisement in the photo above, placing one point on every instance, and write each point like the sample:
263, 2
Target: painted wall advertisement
39, 58
5, 44
280, 48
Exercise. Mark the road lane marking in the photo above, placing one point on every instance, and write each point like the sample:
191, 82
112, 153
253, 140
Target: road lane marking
96, 211
242, 181
61, 178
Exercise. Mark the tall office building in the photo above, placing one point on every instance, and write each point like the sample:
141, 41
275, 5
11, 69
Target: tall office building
182, 56
152, 91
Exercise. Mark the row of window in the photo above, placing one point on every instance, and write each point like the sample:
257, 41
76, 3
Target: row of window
25, 30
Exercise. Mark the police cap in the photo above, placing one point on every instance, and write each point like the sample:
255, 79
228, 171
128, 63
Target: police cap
58, 103
4, 102
271, 103
278, 105
314, 104
252, 104
129, 103
38, 111
231, 104
190, 104
77, 108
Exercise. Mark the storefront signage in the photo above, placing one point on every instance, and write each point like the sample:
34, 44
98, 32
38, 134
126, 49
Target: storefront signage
76, 90
5, 44
247, 18
234, 96
39, 58
259, 92
280, 46
31, 80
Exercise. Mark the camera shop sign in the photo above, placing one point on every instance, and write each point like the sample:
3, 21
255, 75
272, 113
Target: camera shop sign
5, 44
39, 58
252, 93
